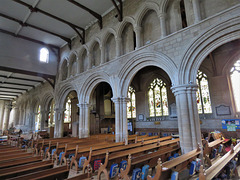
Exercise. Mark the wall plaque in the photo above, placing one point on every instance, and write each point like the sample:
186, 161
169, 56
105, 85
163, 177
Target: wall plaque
223, 110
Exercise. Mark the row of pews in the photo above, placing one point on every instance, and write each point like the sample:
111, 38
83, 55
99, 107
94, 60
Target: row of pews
99, 156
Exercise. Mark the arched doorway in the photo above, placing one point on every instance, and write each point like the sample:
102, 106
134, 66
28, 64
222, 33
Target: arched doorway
71, 115
102, 112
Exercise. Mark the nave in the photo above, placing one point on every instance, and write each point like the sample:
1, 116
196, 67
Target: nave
100, 157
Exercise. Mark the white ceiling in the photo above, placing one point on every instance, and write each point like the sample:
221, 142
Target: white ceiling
13, 84
60, 8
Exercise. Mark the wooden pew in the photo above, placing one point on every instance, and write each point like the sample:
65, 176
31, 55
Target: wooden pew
25, 169
150, 159
53, 173
15, 156
4, 164
102, 152
215, 169
180, 163
134, 151
209, 147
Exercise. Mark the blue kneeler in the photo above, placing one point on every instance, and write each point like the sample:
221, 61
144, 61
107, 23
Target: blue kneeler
136, 174
123, 165
145, 169
113, 170
81, 161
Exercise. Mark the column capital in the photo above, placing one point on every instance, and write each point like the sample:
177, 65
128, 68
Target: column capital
137, 28
118, 39
162, 15
120, 99
184, 88
83, 105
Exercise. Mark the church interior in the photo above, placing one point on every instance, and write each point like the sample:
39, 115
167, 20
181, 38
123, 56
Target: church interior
120, 89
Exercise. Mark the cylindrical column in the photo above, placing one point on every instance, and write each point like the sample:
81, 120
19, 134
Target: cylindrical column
43, 119
196, 11
117, 119
162, 18
6, 115
188, 123
16, 116
102, 48
138, 31
81, 118
118, 47
86, 120
59, 124
78, 66
124, 119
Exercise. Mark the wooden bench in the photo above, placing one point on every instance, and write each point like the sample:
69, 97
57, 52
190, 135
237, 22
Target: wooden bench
118, 156
53, 173
15, 156
102, 152
150, 159
25, 169
178, 164
215, 169
209, 147
17, 162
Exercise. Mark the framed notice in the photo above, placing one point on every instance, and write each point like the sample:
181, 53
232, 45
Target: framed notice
231, 124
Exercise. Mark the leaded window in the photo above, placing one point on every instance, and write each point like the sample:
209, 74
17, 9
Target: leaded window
203, 95
131, 105
37, 121
235, 81
158, 102
67, 118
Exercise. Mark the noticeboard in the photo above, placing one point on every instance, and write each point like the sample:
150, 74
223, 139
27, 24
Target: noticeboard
231, 124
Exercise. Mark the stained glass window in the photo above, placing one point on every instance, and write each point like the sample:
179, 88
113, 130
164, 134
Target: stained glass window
157, 96
37, 120
203, 95
235, 79
131, 105
67, 117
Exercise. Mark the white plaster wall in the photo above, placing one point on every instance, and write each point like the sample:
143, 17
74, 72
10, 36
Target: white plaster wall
26, 57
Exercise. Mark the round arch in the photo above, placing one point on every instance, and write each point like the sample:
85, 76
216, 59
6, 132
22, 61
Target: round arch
204, 44
91, 83
108, 32
93, 43
144, 9
47, 97
125, 21
63, 93
142, 60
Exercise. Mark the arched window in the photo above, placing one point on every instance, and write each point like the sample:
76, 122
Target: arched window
51, 120
203, 95
235, 81
67, 118
158, 102
37, 120
131, 105
44, 55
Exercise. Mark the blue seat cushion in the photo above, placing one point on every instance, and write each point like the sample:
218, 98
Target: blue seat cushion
81, 161
60, 155
145, 169
123, 165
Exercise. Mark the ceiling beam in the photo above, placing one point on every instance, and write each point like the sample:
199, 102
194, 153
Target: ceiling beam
24, 24
10, 92
119, 9
73, 26
28, 39
96, 15
24, 79
31, 73
20, 89
8, 95
18, 84
10, 99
